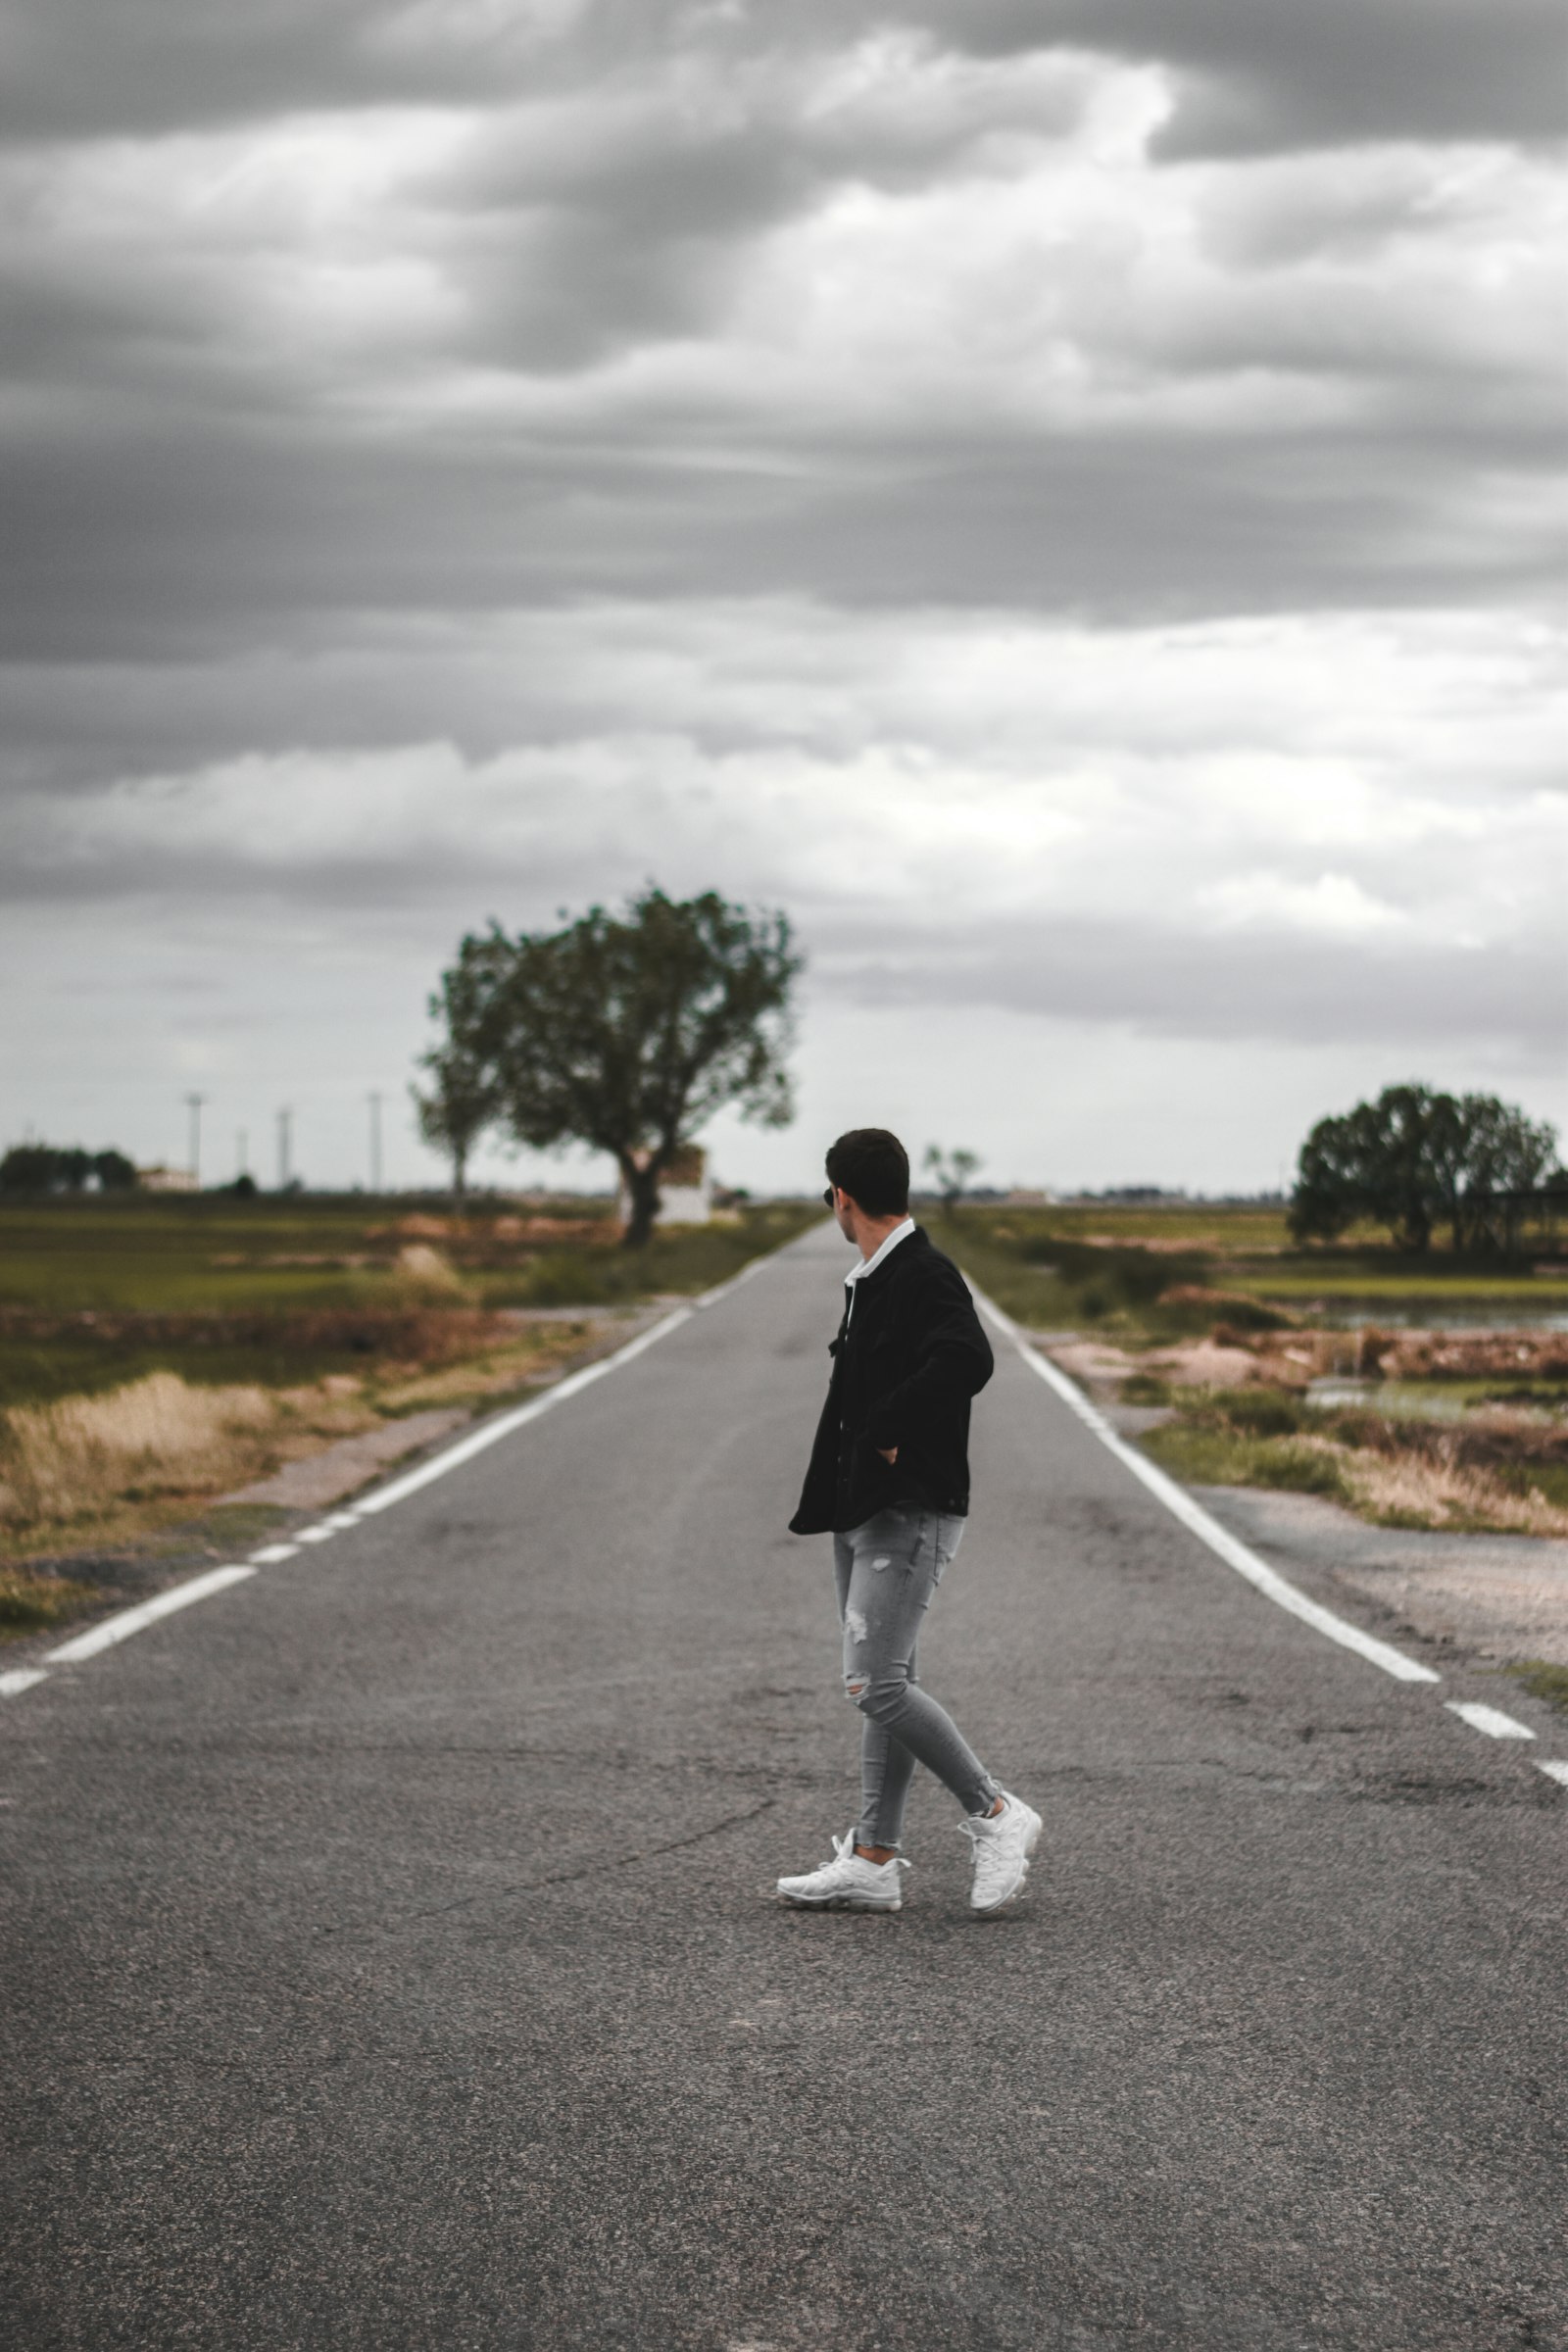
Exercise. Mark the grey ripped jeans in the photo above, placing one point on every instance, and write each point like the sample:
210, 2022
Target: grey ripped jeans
888, 1571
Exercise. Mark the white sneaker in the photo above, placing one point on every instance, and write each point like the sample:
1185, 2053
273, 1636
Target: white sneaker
1002, 1844
848, 1882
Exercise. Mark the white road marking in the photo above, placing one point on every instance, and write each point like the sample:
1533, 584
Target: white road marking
493, 1432
314, 1534
340, 1520
20, 1679
1208, 1530
1555, 1768
1490, 1720
147, 1612
270, 1553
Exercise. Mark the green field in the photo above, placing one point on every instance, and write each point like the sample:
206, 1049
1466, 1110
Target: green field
1488, 1451
1111, 1271
98, 1290
159, 1355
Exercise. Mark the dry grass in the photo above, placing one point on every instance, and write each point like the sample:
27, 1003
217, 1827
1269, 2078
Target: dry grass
1413, 1490
424, 1273
67, 1462
495, 1373
1503, 1476
115, 1465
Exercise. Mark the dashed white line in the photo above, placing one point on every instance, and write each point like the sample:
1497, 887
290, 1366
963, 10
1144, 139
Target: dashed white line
1193, 1516
1555, 1768
120, 1628
1490, 1719
271, 1553
315, 1534
19, 1679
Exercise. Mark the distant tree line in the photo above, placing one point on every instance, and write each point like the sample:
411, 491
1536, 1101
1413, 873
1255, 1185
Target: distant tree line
625, 1032
1415, 1159
48, 1168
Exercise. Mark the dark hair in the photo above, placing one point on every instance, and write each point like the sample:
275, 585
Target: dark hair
873, 1168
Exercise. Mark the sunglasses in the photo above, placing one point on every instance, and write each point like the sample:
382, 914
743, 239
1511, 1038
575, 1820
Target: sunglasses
828, 1196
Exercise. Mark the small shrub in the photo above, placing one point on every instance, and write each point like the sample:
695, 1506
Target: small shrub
1303, 1468
28, 1601
1263, 1412
569, 1278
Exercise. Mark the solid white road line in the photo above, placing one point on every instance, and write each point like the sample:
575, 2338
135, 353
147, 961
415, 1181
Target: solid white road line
1555, 1768
1193, 1516
493, 1432
1490, 1720
19, 1679
147, 1612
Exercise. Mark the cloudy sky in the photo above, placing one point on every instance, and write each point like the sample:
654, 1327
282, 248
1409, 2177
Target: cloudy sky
1062, 497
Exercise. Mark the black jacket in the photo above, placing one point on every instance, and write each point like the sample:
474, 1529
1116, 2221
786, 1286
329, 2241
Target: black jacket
905, 1363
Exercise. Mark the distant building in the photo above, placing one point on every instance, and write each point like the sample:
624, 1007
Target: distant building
166, 1180
685, 1191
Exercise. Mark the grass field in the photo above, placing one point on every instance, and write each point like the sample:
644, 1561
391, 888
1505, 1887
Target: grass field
97, 1291
1115, 1271
157, 1353
1232, 1322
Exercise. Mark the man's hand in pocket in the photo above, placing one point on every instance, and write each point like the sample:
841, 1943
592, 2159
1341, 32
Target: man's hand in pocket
889, 1453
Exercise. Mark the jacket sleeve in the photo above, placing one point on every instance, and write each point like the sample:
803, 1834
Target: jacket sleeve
952, 1363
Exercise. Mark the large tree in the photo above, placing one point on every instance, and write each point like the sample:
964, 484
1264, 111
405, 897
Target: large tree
1415, 1158
626, 1032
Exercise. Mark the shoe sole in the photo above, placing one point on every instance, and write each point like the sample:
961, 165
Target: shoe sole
990, 1910
834, 1902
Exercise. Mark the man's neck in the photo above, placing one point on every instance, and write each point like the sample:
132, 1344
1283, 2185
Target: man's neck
872, 1232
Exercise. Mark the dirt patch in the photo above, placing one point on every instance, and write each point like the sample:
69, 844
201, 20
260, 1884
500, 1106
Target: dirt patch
342, 1469
1210, 1363
1203, 1364
1092, 1361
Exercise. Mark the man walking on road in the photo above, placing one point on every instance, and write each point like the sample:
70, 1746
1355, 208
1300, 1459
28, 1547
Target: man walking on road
889, 1477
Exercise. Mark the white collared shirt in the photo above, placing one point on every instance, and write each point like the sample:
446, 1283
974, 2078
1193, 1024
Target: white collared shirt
869, 1265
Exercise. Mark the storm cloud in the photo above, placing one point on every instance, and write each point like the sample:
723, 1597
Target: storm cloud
1067, 499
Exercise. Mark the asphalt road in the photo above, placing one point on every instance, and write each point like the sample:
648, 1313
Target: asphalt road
390, 1960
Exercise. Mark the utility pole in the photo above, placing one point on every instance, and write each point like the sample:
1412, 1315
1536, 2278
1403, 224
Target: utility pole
285, 1121
195, 1102
375, 1141
242, 1153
